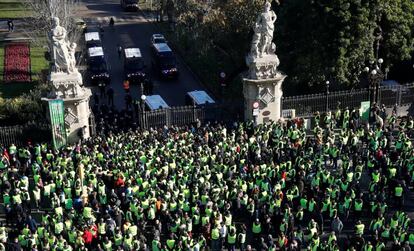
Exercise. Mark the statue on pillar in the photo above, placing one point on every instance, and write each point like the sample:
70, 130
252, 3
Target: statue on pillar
62, 52
263, 32
262, 60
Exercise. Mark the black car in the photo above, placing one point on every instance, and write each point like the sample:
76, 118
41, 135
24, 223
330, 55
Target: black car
165, 63
131, 5
97, 67
134, 66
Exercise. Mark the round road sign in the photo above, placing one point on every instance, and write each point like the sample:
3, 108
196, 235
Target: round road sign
255, 105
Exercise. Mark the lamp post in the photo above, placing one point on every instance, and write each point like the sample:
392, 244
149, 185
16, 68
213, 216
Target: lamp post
327, 95
143, 98
375, 77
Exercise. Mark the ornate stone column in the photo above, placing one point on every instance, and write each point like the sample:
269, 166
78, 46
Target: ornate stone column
67, 84
263, 82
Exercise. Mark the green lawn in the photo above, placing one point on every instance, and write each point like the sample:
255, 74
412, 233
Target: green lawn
12, 9
38, 61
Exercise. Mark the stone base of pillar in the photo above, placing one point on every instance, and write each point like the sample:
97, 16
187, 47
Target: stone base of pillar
268, 92
69, 88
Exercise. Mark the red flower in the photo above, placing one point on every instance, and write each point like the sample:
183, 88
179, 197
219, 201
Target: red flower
17, 62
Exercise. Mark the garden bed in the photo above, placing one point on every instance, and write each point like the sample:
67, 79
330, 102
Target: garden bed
17, 63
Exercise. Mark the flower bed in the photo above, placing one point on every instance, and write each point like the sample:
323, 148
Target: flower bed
17, 62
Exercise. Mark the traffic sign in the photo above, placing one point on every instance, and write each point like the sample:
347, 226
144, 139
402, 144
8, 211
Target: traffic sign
255, 105
255, 112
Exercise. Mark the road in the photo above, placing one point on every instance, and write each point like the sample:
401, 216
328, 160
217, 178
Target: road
132, 29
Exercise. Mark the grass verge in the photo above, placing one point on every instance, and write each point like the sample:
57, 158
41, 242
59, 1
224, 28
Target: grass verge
38, 61
12, 9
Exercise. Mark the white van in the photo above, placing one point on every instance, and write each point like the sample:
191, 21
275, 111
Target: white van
198, 98
155, 102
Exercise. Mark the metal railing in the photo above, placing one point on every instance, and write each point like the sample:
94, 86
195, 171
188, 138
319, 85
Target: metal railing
22, 134
186, 115
307, 105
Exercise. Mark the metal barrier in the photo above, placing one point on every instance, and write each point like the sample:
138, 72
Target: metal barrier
22, 134
307, 105
186, 115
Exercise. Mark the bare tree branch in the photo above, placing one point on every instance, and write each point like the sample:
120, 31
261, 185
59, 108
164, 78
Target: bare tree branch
40, 21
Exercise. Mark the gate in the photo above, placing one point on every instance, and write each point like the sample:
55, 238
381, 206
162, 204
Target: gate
186, 115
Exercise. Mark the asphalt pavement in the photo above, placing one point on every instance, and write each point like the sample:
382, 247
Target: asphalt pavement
132, 29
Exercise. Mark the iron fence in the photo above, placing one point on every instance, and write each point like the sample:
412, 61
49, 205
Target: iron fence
186, 115
307, 105
22, 134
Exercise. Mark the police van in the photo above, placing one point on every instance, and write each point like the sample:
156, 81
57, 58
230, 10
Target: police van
129, 5
92, 39
198, 98
164, 63
98, 71
134, 66
155, 102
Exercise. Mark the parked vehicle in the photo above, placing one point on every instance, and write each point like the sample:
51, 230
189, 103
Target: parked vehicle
158, 39
134, 66
92, 39
98, 70
155, 102
129, 5
198, 98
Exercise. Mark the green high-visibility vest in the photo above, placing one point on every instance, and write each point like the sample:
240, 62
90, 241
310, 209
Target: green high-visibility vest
368, 247
128, 242
360, 229
242, 238
17, 199
170, 243
394, 224
108, 246
311, 205
375, 177
87, 212
398, 191
118, 239
358, 205
257, 228
196, 219
155, 245
231, 239
72, 236
6, 199
58, 228
101, 228
204, 220
411, 239
215, 234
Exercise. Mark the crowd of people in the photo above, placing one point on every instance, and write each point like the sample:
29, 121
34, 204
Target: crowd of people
274, 186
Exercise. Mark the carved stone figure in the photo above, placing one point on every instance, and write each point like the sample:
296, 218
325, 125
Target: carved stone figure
264, 29
254, 49
60, 47
72, 59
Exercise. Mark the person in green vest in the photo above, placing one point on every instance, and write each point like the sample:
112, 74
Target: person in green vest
215, 238
399, 195
256, 230
107, 244
241, 238
156, 244
359, 228
171, 242
231, 239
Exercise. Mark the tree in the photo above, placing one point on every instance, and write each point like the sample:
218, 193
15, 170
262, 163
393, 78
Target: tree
333, 40
40, 22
